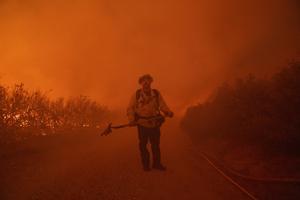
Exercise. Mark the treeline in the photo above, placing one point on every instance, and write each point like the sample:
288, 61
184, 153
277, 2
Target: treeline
263, 112
25, 113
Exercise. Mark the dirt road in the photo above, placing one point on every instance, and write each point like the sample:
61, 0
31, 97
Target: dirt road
94, 167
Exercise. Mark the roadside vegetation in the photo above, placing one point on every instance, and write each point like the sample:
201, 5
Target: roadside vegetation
251, 119
25, 114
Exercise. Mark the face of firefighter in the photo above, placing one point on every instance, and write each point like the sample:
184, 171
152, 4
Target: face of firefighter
146, 85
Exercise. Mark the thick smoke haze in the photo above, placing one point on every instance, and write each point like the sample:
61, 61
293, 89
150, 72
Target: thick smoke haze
100, 48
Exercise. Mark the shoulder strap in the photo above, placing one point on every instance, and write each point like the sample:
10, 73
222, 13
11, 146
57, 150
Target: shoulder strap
156, 92
138, 94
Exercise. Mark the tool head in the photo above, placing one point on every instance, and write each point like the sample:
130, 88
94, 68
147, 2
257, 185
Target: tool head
107, 131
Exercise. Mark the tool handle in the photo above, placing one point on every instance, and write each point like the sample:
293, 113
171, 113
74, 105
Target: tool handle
130, 125
121, 126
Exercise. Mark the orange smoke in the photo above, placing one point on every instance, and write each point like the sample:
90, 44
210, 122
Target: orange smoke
99, 48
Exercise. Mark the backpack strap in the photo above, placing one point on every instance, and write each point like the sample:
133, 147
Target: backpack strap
156, 93
138, 94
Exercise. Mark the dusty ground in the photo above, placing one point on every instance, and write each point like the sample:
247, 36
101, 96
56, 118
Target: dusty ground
94, 167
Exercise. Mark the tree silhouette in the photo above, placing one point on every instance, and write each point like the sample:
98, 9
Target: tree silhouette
261, 112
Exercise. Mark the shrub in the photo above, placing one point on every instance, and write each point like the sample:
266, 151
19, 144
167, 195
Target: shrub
25, 113
261, 112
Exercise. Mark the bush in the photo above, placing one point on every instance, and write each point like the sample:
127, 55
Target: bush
25, 113
252, 111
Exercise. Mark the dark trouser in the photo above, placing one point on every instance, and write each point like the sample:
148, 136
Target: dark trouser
153, 135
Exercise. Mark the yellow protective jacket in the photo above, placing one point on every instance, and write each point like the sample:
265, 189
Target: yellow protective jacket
146, 106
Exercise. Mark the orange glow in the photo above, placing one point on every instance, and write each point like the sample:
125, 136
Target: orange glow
99, 48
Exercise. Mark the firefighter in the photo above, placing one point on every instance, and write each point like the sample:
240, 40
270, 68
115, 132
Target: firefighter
144, 106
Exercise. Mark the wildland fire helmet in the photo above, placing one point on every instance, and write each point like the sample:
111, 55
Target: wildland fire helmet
145, 77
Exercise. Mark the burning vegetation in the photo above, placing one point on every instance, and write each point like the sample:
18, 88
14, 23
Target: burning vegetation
25, 113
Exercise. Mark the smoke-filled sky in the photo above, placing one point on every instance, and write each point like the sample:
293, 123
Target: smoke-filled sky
100, 48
